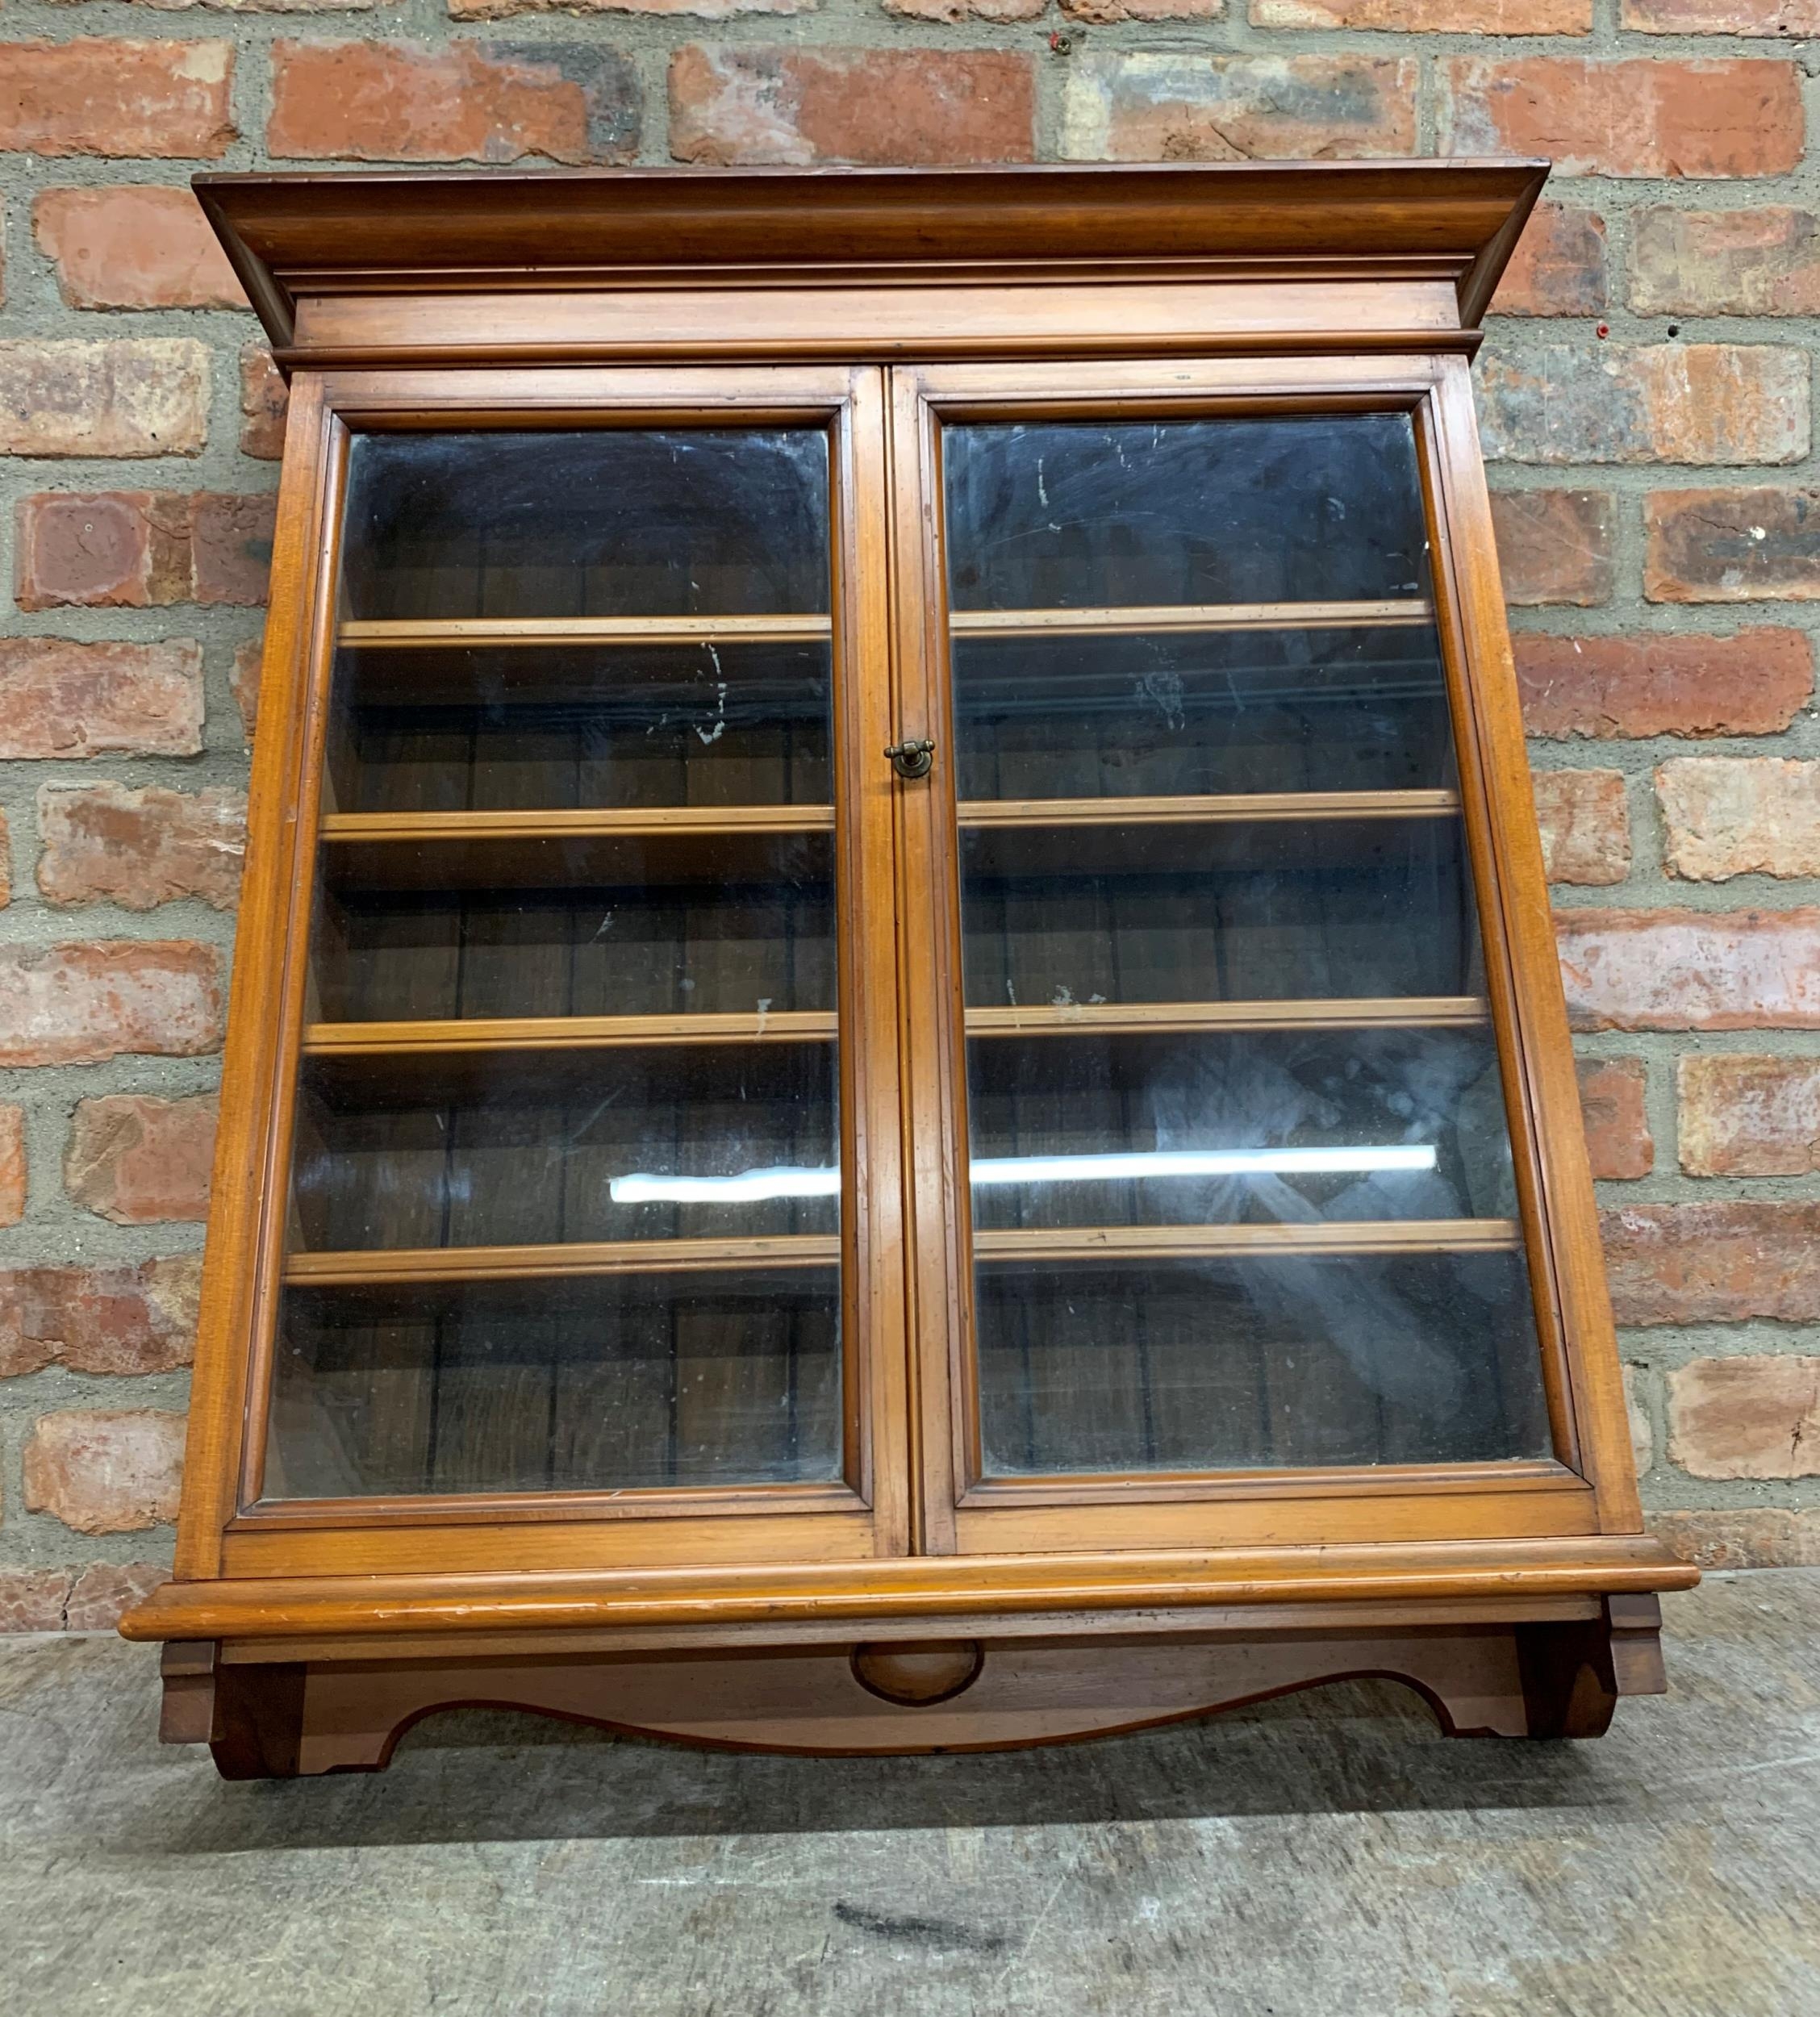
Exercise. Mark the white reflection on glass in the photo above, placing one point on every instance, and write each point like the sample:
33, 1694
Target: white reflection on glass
752, 1186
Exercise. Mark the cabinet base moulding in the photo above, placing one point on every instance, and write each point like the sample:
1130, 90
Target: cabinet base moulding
1547, 1676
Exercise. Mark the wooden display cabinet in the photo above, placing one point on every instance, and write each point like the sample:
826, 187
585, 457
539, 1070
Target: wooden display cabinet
897, 1079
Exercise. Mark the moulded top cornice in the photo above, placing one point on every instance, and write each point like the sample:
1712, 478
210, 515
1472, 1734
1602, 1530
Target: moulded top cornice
294, 234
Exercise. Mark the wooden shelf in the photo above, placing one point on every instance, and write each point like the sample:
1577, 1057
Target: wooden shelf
373, 1267
1399, 1011
589, 823
1191, 616
1196, 1242
562, 1033
412, 635
1242, 807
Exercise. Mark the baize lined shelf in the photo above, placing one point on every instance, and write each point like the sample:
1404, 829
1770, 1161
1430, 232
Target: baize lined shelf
810, 1025
376, 1267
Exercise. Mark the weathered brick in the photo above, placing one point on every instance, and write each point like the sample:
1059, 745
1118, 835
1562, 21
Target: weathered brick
12, 1165
264, 399
1746, 1418
750, 104
1554, 546
1761, 260
1153, 106
244, 682
955, 10
1721, 17
1430, 17
132, 396
140, 1160
132, 1317
32, 1600
1558, 267
1731, 546
232, 548
138, 246
1748, 1115
1753, 683
58, 698
1642, 115
119, 98
1754, 1537
106, 1591
1585, 825
1106, 13
106, 1471
1739, 815
1691, 970
79, 1004
139, 847
1664, 403
125, 550
465, 102
1724, 1263
1611, 1094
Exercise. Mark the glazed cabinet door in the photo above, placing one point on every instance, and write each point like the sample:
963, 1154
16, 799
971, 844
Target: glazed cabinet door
576, 1085
1232, 1199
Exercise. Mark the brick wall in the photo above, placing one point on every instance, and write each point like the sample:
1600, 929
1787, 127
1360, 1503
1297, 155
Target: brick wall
1646, 396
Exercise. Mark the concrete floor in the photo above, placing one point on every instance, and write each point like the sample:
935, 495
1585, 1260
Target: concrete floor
1317, 1857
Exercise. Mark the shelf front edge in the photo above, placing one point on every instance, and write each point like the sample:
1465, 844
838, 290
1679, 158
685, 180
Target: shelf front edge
948, 1587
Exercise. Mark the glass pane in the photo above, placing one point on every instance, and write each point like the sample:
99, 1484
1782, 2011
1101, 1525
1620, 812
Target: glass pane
565, 1207
1240, 1171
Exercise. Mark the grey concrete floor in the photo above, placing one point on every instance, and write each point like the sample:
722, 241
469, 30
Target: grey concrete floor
1327, 1855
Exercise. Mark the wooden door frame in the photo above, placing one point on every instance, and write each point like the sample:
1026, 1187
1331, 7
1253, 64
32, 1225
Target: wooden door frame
224, 1531
1590, 1488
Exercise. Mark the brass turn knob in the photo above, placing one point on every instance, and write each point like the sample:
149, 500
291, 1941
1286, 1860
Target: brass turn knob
911, 759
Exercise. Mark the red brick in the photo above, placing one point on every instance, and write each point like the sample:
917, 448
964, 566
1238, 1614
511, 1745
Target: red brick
913, 107
1641, 116
1761, 260
1754, 683
134, 396
12, 1165
1756, 1537
58, 698
464, 102
1554, 546
231, 552
32, 1600
1746, 1418
165, 99
106, 1591
1558, 267
106, 1471
1739, 815
1611, 1094
264, 399
82, 1003
140, 1160
1152, 106
1748, 1115
139, 847
1667, 403
1731, 546
138, 246
1714, 1264
1585, 825
123, 549
244, 682
132, 1318
1721, 17
1691, 970
1430, 17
